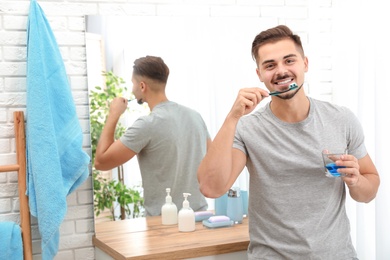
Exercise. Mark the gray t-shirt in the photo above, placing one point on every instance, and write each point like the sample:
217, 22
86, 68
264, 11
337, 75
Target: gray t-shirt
170, 143
295, 211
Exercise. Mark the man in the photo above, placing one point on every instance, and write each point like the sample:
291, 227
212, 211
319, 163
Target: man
169, 143
295, 211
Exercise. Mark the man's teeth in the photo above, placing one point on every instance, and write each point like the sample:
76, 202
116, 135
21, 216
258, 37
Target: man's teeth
284, 82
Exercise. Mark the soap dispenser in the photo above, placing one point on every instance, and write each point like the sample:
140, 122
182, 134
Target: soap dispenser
169, 210
186, 216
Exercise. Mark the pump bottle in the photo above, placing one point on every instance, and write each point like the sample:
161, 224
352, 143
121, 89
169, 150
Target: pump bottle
186, 216
169, 210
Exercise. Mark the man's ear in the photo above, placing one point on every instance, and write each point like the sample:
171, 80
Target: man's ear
143, 86
306, 62
259, 74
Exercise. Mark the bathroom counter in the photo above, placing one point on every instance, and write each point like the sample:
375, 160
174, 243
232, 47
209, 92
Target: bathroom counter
147, 238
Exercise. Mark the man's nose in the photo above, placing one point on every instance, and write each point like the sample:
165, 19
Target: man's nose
281, 70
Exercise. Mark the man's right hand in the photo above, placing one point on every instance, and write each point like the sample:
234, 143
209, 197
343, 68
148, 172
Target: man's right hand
118, 106
247, 100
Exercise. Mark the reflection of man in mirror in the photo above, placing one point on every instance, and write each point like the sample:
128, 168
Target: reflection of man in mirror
169, 143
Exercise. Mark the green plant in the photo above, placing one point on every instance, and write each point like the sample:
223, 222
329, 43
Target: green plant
111, 191
107, 192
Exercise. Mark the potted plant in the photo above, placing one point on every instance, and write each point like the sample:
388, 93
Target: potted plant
108, 191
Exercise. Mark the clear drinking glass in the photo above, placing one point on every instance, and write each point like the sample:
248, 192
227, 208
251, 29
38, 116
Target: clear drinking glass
330, 165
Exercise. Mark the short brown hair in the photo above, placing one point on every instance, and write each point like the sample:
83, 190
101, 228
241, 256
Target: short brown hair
273, 35
151, 67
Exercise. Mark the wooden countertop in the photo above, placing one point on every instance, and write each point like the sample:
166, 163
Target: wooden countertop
147, 238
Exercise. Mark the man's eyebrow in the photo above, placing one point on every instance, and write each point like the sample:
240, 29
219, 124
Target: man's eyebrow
285, 57
289, 56
267, 61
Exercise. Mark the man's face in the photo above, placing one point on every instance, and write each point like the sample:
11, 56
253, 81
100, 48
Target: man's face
281, 64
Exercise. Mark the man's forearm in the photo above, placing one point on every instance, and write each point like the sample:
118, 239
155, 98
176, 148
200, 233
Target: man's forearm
366, 188
107, 136
214, 170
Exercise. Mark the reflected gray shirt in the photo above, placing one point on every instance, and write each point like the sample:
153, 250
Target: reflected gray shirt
170, 143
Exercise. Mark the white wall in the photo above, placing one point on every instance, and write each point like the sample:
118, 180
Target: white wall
311, 19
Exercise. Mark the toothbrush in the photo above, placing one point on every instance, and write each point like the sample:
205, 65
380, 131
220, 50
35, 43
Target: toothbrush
291, 87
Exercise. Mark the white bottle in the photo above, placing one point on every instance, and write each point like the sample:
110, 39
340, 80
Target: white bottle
186, 216
169, 210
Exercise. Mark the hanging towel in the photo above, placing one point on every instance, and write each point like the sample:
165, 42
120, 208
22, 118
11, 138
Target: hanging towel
11, 246
56, 163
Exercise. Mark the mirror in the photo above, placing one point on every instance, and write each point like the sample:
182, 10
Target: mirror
209, 60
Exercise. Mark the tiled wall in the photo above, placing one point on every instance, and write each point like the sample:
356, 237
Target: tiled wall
311, 19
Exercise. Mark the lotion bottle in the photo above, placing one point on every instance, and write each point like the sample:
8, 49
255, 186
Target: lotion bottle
186, 216
169, 210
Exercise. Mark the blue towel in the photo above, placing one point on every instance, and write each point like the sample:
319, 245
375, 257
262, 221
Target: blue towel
56, 163
11, 246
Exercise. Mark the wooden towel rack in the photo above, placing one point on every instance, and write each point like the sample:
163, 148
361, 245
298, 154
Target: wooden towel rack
20, 167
